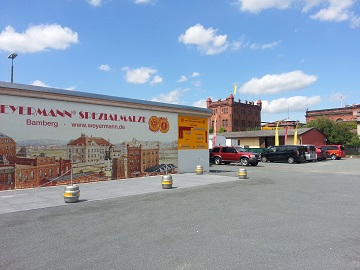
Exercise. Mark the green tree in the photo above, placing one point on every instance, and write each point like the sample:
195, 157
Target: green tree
335, 132
211, 130
221, 129
354, 141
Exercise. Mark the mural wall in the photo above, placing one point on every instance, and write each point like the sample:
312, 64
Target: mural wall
42, 141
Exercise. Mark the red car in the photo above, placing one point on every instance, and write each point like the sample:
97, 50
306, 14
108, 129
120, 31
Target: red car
320, 154
334, 151
231, 154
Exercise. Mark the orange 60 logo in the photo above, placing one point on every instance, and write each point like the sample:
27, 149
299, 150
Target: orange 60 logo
159, 123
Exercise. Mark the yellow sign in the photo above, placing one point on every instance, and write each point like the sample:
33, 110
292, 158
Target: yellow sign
193, 133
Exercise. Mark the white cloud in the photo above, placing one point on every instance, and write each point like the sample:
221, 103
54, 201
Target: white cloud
95, 3
355, 21
205, 40
277, 83
335, 10
104, 67
171, 97
139, 75
70, 88
156, 80
182, 79
195, 74
256, 6
200, 103
337, 97
309, 4
265, 46
338, 10
42, 84
293, 104
37, 38
143, 1
39, 83
196, 83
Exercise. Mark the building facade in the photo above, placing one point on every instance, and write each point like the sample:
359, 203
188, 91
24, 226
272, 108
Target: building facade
7, 146
266, 138
21, 170
234, 115
40, 143
88, 149
346, 114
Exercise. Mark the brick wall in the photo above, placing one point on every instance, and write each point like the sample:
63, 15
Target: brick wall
338, 114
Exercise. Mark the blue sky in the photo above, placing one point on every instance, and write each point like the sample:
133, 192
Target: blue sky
290, 54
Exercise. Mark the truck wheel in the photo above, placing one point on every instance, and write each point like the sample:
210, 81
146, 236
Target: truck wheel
291, 160
244, 161
217, 161
264, 159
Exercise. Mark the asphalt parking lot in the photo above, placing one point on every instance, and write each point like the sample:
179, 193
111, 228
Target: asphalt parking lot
283, 216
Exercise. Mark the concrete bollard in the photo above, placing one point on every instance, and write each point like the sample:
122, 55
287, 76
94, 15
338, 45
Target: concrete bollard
199, 169
242, 173
71, 193
166, 181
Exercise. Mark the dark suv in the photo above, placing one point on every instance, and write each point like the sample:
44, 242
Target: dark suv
284, 153
229, 154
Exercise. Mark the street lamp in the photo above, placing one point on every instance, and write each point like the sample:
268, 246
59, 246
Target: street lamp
12, 57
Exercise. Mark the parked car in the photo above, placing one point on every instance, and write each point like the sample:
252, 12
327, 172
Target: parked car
320, 154
334, 151
229, 154
284, 153
310, 153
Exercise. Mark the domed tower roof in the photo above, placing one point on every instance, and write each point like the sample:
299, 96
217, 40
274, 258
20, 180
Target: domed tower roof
231, 96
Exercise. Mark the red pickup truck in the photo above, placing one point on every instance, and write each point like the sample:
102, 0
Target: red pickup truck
231, 154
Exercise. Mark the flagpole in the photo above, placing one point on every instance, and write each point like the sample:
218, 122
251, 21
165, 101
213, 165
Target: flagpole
277, 134
295, 134
214, 132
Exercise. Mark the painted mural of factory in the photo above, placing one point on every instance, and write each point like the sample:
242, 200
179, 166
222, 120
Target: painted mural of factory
84, 159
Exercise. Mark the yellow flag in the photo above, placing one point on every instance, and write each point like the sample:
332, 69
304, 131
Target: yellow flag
295, 134
235, 86
277, 134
